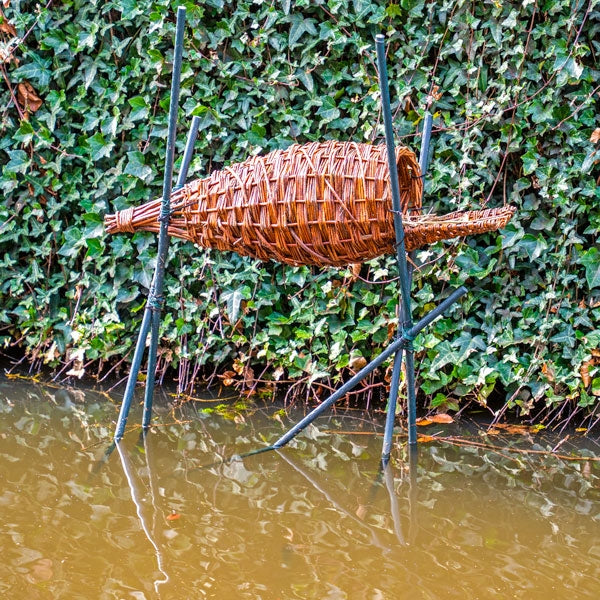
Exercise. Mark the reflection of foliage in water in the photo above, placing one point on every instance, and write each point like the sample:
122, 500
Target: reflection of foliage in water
311, 521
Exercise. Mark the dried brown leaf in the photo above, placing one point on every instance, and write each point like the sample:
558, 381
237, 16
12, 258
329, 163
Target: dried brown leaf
357, 363
355, 269
548, 371
514, 429
441, 418
28, 97
248, 375
228, 378
391, 330
595, 137
5, 25
585, 372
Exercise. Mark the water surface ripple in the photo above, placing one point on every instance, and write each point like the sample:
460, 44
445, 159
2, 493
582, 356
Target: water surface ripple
165, 517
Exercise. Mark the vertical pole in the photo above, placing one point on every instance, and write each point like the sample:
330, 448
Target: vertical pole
391, 408
405, 312
152, 352
410, 355
133, 374
425, 143
155, 294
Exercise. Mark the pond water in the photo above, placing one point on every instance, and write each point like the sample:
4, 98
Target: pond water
167, 517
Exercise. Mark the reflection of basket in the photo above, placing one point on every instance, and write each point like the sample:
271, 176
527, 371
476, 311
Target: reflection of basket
325, 204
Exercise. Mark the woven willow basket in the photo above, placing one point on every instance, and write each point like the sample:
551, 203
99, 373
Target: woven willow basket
324, 204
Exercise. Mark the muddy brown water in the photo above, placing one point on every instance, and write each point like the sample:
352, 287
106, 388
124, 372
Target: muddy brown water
165, 517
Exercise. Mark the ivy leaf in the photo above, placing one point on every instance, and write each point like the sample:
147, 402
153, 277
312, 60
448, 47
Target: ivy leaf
233, 301
300, 26
565, 337
94, 246
328, 110
19, 162
136, 166
73, 241
533, 246
99, 147
36, 70
139, 107
530, 162
589, 160
590, 259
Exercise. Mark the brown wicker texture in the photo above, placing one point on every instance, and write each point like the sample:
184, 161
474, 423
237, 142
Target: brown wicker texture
325, 204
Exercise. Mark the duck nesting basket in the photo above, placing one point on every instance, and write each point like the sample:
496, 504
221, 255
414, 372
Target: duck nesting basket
324, 204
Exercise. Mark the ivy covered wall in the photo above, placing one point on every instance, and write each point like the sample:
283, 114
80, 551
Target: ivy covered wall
514, 87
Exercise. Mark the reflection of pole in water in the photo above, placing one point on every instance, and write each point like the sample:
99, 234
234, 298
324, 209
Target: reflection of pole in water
413, 494
143, 441
389, 484
135, 496
388, 475
374, 539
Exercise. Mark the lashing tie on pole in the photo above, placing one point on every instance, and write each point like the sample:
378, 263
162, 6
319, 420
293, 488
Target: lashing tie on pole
155, 301
166, 216
407, 336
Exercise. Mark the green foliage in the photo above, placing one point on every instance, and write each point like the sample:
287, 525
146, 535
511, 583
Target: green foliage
513, 90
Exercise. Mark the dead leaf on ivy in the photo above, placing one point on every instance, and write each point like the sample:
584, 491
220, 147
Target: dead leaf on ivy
595, 137
357, 362
228, 378
548, 371
585, 372
391, 330
5, 25
355, 270
28, 97
515, 429
437, 419
248, 376
441, 418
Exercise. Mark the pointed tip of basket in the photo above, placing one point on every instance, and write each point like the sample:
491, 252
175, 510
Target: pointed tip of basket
428, 229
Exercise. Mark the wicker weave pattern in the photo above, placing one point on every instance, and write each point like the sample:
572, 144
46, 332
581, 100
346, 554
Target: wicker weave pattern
325, 204
427, 229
